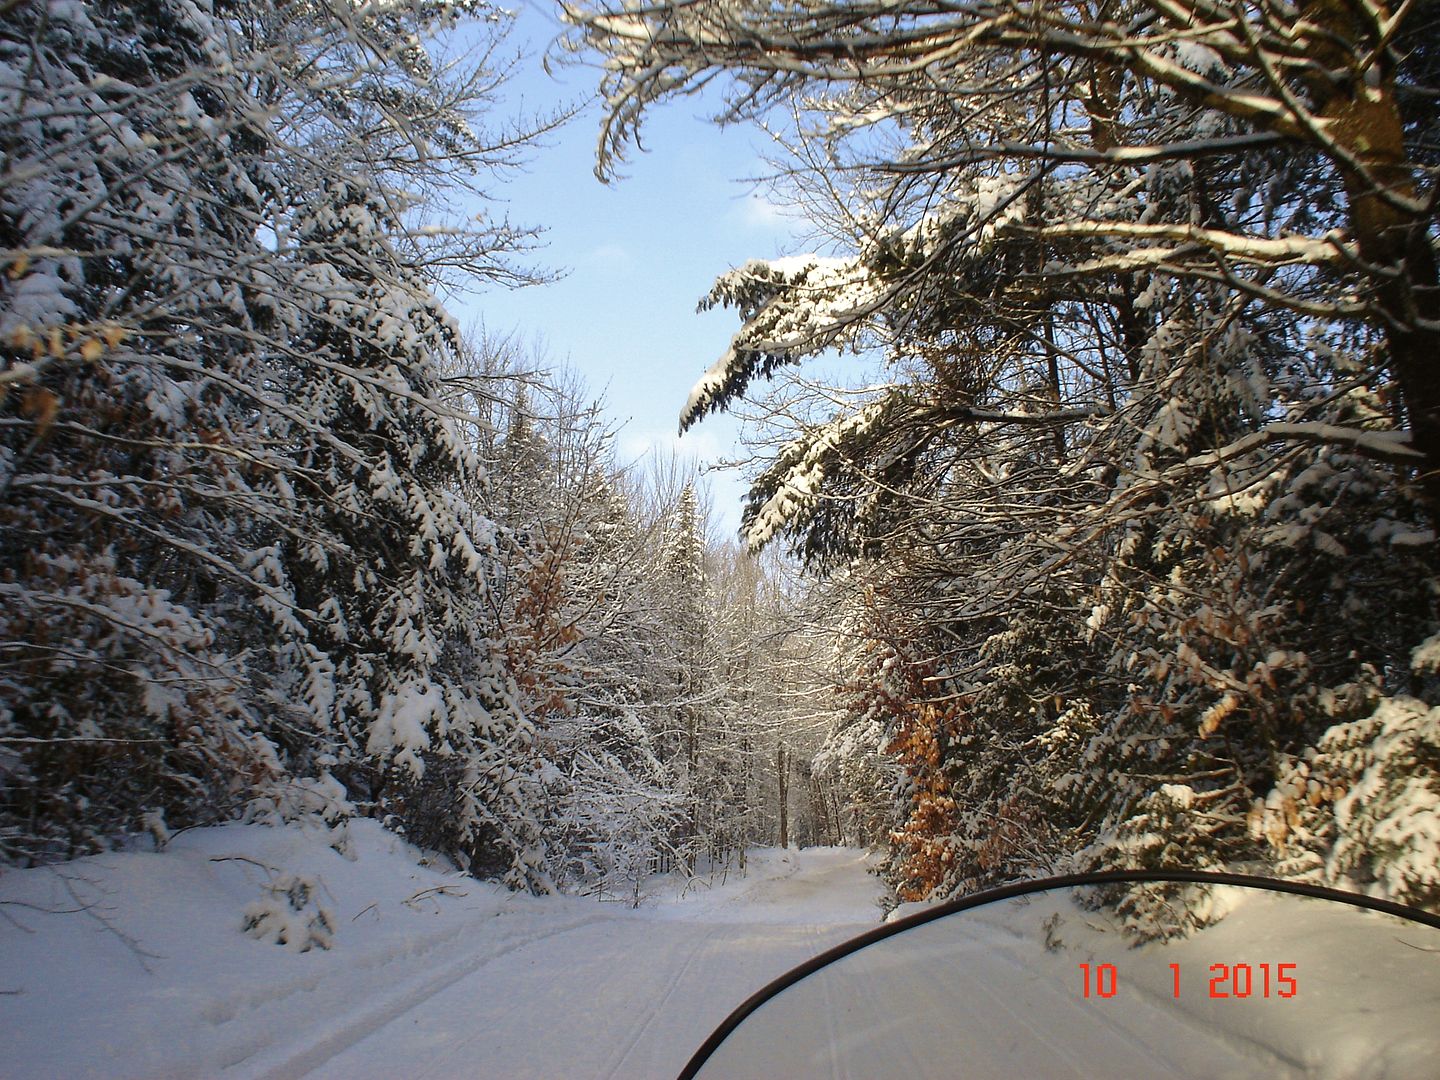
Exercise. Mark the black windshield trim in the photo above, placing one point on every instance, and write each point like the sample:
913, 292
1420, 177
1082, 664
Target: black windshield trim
1021, 888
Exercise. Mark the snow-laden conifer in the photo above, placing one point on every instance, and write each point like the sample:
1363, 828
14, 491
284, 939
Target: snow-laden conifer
244, 564
132, 184
1144, 491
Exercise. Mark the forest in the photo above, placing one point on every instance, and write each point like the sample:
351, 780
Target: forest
1096, 446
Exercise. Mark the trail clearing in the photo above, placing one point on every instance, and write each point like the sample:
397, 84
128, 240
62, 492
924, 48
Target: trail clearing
135, 964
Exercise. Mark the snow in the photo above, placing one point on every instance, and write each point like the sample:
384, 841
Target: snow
36, 302
427, 972
135, 964
402, 720
793, 266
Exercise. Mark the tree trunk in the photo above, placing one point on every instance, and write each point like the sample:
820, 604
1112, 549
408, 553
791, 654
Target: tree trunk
780, 767
1362, 116
821, 827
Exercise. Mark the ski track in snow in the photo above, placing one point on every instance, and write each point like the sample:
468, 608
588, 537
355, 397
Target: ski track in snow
616, 1067
384, 1007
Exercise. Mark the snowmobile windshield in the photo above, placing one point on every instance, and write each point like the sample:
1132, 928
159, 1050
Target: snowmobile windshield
1108, 975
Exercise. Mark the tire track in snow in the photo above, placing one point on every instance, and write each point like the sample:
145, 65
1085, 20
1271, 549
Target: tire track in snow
1273, 1059
440, 1068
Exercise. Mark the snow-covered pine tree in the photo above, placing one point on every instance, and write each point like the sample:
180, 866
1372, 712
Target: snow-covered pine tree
237, 555
393, 565
131, 188
1123, 353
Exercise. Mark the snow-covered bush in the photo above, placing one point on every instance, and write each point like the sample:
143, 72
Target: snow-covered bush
290, 914
1362, 809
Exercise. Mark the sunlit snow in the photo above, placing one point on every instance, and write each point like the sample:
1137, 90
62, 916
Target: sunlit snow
138, 964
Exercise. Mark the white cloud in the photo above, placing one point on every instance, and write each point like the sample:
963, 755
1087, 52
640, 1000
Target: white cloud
758, 212
610, 257
697, 443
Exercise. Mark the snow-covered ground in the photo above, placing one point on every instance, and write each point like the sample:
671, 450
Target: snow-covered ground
135, 965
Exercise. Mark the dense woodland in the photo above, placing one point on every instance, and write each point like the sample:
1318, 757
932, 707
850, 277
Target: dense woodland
1112, 545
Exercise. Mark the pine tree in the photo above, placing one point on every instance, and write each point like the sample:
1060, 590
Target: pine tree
241, 557
132, 182
393, 567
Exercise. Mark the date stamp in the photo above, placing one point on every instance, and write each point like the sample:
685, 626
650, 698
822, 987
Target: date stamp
1230, 981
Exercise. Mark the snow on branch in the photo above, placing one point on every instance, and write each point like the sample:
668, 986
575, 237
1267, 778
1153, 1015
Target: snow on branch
1389, 446
1062, 152
793, 307
1330, 248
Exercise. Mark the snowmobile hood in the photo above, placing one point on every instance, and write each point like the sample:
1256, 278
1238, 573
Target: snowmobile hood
1115, 974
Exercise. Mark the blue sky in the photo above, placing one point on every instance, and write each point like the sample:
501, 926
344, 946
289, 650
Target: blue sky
638, 254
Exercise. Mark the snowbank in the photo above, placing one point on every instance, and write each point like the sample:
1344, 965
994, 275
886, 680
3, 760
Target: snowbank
136, 963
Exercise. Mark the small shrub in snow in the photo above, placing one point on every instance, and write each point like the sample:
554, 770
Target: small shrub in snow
1174, 827
290, 915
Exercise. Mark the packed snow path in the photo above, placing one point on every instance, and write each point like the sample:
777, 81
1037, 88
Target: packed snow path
629, 994
632, 996
134, 964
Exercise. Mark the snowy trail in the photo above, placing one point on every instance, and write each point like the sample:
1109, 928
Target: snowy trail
618, 999
134, 965
633, 995
380, 1004
622, 997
